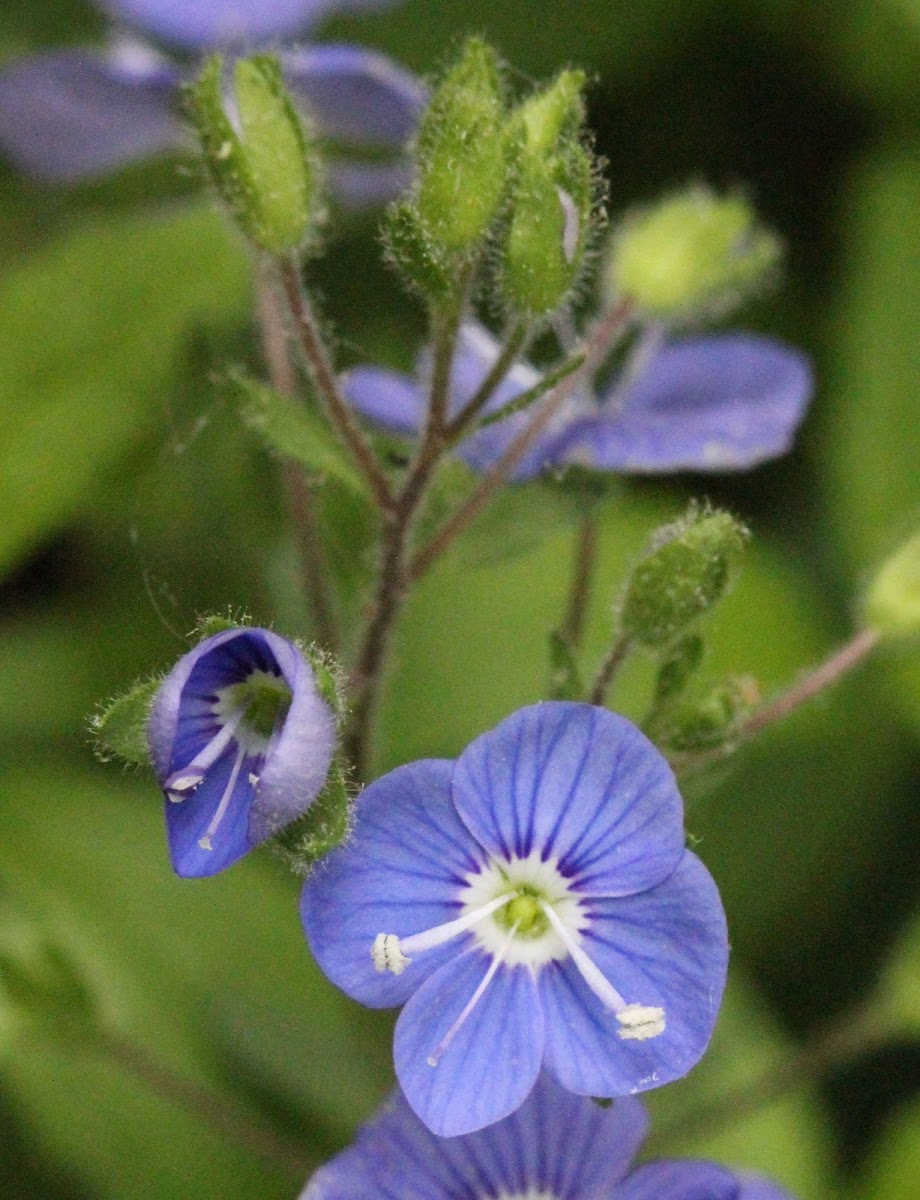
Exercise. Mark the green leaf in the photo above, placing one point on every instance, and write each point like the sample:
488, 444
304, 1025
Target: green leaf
893, 1168
899, 986
291, 428
120, 729
91, 330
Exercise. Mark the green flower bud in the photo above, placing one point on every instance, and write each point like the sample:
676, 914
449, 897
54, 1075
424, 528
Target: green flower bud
681, 661
461, 151
411, 248
892, 603
264, 163
707, 724
683, 574
552, 198
691, 255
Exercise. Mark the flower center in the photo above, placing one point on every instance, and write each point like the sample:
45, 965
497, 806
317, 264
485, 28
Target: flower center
261, 702
525, 913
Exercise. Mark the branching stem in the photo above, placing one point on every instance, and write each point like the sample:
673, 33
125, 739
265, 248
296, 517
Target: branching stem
608, 669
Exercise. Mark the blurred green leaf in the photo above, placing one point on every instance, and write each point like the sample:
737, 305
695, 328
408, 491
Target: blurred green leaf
786, 1139
899, 986
873, 436
893, 1169
91, 331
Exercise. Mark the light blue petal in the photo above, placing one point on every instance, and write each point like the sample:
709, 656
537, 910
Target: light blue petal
679, 1179
555, 1144
355, 95
297, 763
400, 873
199, 24
392, 401
70, 115
724, 402
757, 1187
575, 783
492, 1060
188, 821
666, 947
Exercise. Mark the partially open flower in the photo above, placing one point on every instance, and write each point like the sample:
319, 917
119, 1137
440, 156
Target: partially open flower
241, 743
531, 904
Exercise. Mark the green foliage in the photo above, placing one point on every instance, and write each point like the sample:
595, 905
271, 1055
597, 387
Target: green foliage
120, 728
892, 603
893, 1169
682, 575
899, 987
267, 174
565, 682
92, 328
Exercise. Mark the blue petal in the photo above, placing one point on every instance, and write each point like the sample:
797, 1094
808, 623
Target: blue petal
555, 1144
578, 784
392, 401
215, 23
355, 95
401, 873
492, 1060
756, 1187
69, 115
298, 759
679, 1179
666, 947
188, 821
364, 185
719, 403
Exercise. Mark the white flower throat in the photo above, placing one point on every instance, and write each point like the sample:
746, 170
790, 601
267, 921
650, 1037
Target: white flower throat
522, 912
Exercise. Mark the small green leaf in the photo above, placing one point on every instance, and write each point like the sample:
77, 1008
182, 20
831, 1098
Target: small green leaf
121, 728
292, 429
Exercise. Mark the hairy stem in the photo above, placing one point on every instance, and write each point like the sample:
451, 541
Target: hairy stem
604, 336
300, 501
585, 557
324, 380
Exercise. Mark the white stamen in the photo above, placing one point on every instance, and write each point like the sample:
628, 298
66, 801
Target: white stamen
497, 960
393, 952
570, 227
640, 1022
596, 981
253, 778
186, 779
205, 842
387, 954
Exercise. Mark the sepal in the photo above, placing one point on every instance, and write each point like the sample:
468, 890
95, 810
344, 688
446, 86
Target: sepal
120, 728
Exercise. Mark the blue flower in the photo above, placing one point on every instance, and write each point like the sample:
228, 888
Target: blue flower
555, 1147
714, 402
241, 743
76, 114
532, 904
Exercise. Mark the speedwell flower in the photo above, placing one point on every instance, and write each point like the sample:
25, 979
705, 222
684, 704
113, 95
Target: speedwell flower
531, 904
714, 402
241, 743
555, 1147
76, 114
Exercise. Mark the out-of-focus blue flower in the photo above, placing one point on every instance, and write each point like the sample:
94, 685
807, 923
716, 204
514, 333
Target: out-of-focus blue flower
532, 904
70, 115
714, 402
555, 1147
241, 743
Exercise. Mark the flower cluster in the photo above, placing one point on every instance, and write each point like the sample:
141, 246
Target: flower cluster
532, 904
76, 114
555, 1147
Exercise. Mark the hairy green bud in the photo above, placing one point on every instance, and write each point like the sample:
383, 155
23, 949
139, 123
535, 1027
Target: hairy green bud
461, 151
706, 724
552, 198
892, 603
412, 249
263, 163
684, 573
691, 255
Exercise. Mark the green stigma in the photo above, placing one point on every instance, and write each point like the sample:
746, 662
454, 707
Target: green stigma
525, 912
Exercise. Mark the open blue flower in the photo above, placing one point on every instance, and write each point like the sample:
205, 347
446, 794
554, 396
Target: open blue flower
714, 402
76, 114
241, 743
555, 1147
531, 904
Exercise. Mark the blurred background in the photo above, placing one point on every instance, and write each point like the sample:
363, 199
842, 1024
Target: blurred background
133, 501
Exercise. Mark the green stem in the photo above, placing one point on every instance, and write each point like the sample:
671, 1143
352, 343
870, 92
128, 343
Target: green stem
514, 345
585, 558
608, 669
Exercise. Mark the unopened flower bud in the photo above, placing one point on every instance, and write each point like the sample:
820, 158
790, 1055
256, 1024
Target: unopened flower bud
892, 604
261, 158
461, 151
683, 574
692, 255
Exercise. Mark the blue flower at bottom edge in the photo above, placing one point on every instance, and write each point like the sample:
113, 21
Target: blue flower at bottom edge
76, 114
713, 402
531, 904
241, 743
555, 1147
